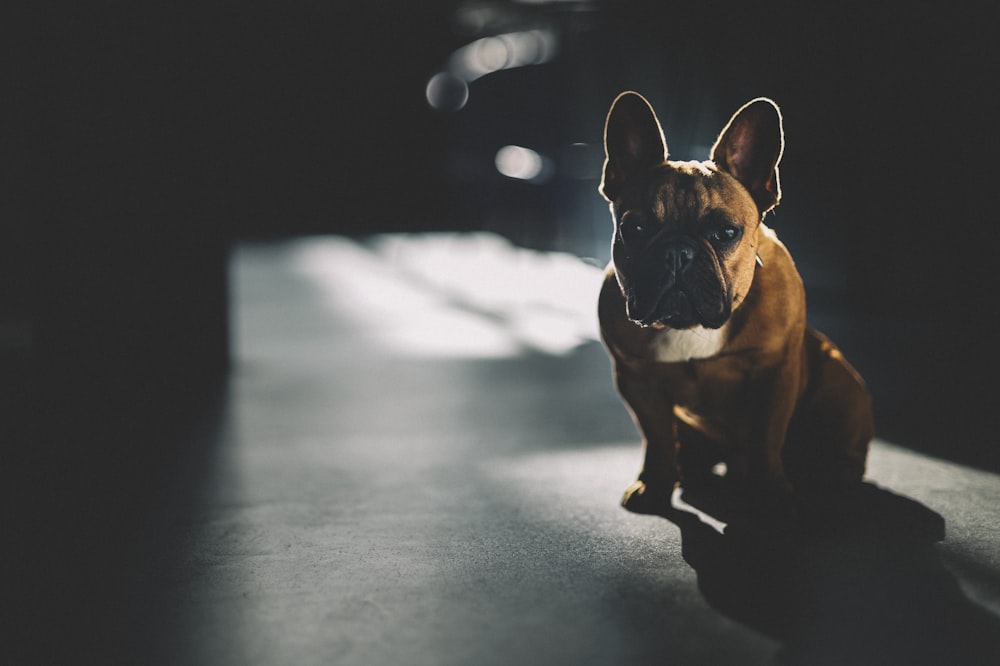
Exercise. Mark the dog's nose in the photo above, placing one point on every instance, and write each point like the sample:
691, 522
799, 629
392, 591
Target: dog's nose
680, 255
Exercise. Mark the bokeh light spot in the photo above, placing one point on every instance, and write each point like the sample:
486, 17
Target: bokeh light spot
447, 92
519, 162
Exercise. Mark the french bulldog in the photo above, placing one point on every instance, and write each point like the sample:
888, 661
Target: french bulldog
703, 315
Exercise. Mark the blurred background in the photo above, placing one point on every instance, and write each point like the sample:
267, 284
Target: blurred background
142, 140
142, 144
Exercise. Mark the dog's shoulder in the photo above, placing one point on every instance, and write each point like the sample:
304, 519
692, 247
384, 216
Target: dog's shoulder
774, 311
776, 274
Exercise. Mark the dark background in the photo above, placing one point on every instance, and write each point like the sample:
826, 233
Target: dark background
141, 140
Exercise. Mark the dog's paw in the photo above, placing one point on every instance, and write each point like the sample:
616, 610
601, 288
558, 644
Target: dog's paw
649, 497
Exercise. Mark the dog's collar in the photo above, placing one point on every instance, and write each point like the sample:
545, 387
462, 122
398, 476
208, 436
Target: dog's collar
760, 262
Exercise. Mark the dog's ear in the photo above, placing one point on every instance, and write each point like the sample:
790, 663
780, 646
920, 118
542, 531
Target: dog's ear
633, 142
749, 149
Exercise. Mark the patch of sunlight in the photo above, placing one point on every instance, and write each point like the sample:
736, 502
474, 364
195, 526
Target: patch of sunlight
456, 295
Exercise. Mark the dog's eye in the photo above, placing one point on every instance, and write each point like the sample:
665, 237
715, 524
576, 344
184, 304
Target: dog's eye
632, 227
725, 234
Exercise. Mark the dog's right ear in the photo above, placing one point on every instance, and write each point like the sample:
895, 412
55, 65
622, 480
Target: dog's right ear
633, 142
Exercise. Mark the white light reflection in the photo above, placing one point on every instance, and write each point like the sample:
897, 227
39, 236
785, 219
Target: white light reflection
456, 295
523, 164
677, 502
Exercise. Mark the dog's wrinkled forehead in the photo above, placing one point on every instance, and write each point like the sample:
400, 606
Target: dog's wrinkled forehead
680, 193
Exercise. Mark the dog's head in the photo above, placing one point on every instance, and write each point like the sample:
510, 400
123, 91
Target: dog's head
685, 239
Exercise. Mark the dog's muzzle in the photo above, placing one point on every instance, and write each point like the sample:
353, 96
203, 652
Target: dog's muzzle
677, 284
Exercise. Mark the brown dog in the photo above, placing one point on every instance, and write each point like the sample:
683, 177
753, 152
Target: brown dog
703, 314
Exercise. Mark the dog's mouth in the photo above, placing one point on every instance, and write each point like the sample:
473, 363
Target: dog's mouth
678, 309
674, 311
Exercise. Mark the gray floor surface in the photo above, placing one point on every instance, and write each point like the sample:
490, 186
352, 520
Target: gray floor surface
421, 464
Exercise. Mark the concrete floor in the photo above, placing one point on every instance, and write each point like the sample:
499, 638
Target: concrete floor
411, 465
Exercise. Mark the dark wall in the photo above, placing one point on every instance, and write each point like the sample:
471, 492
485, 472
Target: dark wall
145, 137
142, 139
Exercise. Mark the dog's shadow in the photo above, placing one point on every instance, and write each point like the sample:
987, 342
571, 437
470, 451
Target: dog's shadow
857, 582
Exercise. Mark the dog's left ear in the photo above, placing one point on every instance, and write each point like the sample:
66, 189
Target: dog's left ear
749, 149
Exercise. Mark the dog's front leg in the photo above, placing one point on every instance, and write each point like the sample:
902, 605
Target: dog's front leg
652, 410
777, 397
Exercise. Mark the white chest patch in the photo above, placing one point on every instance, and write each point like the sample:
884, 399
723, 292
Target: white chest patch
673, 345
